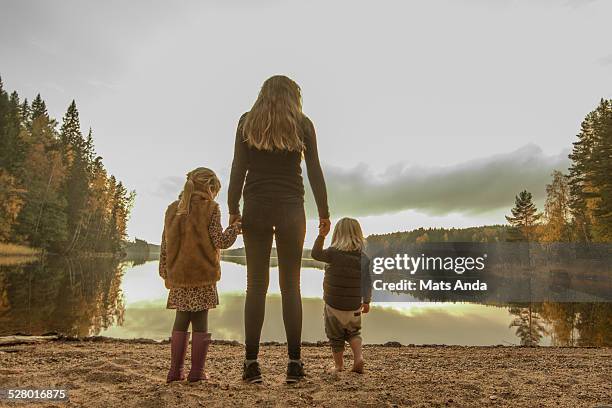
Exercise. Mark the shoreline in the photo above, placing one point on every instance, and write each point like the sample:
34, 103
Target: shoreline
102, 372
20, 339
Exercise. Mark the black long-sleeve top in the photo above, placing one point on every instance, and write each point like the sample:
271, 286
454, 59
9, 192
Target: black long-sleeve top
276, 176
347, 282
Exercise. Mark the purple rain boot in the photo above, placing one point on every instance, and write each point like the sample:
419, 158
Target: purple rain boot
199, 348
178, 349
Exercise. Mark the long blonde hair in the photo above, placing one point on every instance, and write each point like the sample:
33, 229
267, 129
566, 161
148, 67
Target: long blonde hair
274, 120
348, 235
201, 181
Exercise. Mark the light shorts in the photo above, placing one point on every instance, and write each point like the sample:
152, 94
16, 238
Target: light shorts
341, 326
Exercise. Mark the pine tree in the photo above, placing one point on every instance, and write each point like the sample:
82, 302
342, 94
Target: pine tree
76, 187
70, 132
524, 218
12, 148
38, 108
24, 111
590, 185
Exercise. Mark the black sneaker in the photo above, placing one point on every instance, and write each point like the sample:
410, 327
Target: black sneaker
295, 372
251, 373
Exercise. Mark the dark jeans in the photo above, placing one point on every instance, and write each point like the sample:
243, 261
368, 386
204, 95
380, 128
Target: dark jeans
260, 223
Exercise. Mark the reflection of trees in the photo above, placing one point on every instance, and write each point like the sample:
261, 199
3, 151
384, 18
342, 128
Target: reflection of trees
594, 324
241, 260
569, 324
530, 327
72, 296
562, 318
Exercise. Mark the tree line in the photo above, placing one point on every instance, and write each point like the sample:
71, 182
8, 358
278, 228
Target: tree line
55, 193
578, 205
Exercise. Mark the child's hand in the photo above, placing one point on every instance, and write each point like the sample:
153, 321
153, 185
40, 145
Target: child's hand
365, 307
238, 226
324, 226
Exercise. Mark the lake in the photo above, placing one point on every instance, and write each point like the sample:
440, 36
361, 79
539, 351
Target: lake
124, 299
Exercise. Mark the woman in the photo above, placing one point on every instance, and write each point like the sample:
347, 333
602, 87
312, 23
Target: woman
271, 140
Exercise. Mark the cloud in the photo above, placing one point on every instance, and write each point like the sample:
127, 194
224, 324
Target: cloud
473, 187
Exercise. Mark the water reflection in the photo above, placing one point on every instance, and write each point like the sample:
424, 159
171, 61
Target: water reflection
106, 297
76, 297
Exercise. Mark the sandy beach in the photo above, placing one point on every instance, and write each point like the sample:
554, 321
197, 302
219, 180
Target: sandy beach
108, 373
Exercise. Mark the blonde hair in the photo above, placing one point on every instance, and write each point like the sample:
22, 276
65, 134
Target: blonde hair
201, 181
273, 122
348, 235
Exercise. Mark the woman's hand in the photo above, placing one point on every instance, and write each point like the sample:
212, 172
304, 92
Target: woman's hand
324, 226
234, 218
365, 307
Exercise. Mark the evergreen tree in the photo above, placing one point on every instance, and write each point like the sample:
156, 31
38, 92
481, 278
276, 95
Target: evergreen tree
70, 132
11, 146
524, 218
38, 108
24, 110
590, 185
76, 187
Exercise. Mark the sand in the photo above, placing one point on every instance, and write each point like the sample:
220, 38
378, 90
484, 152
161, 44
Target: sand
111, 373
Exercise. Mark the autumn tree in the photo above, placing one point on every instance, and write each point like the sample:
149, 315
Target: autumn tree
557, 225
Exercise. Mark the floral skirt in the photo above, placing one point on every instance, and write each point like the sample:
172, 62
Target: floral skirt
193, 299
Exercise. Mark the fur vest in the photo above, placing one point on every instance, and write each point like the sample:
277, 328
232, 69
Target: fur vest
191, 257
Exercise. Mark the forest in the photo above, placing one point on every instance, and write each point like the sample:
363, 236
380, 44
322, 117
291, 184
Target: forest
55, 192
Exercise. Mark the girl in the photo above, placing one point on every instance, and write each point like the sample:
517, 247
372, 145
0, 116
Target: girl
190, 266
271, 141
347, 289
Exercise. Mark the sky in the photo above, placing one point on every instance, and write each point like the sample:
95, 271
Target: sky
428, 112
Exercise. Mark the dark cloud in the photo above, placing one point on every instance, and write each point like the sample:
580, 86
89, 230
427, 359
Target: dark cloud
473, 187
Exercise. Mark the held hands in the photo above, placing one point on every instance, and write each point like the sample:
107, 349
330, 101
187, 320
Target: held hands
324, 226
365, 307
236, 219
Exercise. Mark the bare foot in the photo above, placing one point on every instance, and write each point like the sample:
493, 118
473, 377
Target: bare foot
205, 377
358, 366
336, 369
